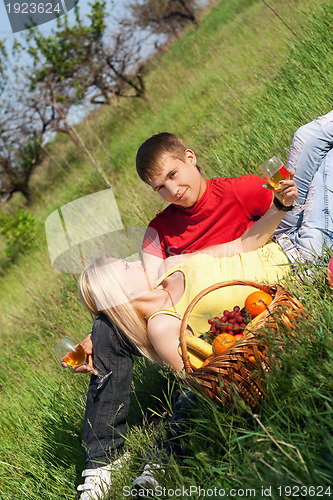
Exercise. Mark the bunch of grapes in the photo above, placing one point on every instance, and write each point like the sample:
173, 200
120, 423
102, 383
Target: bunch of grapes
233, 322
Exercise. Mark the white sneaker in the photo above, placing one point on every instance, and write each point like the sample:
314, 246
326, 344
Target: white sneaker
98, 481
147, 478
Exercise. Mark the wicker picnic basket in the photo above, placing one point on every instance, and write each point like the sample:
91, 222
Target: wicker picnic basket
232, 375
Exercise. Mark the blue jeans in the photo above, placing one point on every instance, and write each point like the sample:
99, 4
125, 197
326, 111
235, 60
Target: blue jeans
311, 157
177, 429
105, 421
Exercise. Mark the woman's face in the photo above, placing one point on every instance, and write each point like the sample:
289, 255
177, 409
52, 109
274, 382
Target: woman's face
132, 276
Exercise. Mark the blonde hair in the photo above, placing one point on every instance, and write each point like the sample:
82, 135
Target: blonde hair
101, 291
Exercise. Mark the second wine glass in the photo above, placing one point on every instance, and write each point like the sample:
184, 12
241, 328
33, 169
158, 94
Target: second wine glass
74, 354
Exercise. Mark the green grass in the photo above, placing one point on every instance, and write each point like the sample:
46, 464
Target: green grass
235, 90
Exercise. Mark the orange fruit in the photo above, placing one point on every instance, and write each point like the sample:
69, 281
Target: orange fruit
207, 361
238, 336
222, 342
257, 302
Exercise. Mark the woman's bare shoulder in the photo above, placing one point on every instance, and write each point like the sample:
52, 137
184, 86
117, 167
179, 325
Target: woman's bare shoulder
161, 322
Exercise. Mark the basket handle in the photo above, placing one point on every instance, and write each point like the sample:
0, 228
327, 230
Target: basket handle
205, 291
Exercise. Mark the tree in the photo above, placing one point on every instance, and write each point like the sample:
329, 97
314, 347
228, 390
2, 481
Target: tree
49, 103
16, 168
163, 16
68, 66
79, 60
21, 151
3, 65
124, 64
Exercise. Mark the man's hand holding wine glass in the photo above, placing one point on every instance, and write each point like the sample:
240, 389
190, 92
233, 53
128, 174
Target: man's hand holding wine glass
287, 194
280, 181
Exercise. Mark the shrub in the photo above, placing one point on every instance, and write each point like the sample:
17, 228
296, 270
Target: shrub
19, 231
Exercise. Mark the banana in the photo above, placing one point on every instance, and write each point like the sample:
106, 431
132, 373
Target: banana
254, 321
195, 361
198, 346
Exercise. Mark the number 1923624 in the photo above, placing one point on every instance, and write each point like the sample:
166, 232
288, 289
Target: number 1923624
34, 8
304, 491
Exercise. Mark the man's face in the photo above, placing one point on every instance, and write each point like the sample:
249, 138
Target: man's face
180, 182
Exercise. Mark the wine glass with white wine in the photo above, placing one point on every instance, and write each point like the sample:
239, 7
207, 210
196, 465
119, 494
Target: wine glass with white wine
275, 171
74, 354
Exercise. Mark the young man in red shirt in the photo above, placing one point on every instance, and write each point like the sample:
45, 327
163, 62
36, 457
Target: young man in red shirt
202, 212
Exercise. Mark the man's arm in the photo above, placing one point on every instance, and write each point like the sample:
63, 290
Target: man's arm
256, 236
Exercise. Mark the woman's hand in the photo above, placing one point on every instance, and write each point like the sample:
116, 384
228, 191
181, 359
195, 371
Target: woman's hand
288, 192
88, 366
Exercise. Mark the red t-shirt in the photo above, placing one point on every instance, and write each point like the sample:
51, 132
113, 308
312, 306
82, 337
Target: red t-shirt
226, 209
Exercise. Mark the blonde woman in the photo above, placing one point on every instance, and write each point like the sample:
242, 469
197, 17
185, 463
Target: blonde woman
151, 317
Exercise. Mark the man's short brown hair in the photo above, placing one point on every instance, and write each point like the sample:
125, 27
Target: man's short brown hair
153, 152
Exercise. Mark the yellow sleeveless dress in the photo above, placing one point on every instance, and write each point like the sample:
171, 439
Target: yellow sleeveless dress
267, 264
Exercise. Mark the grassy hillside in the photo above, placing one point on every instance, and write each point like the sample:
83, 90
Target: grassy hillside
235, 90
